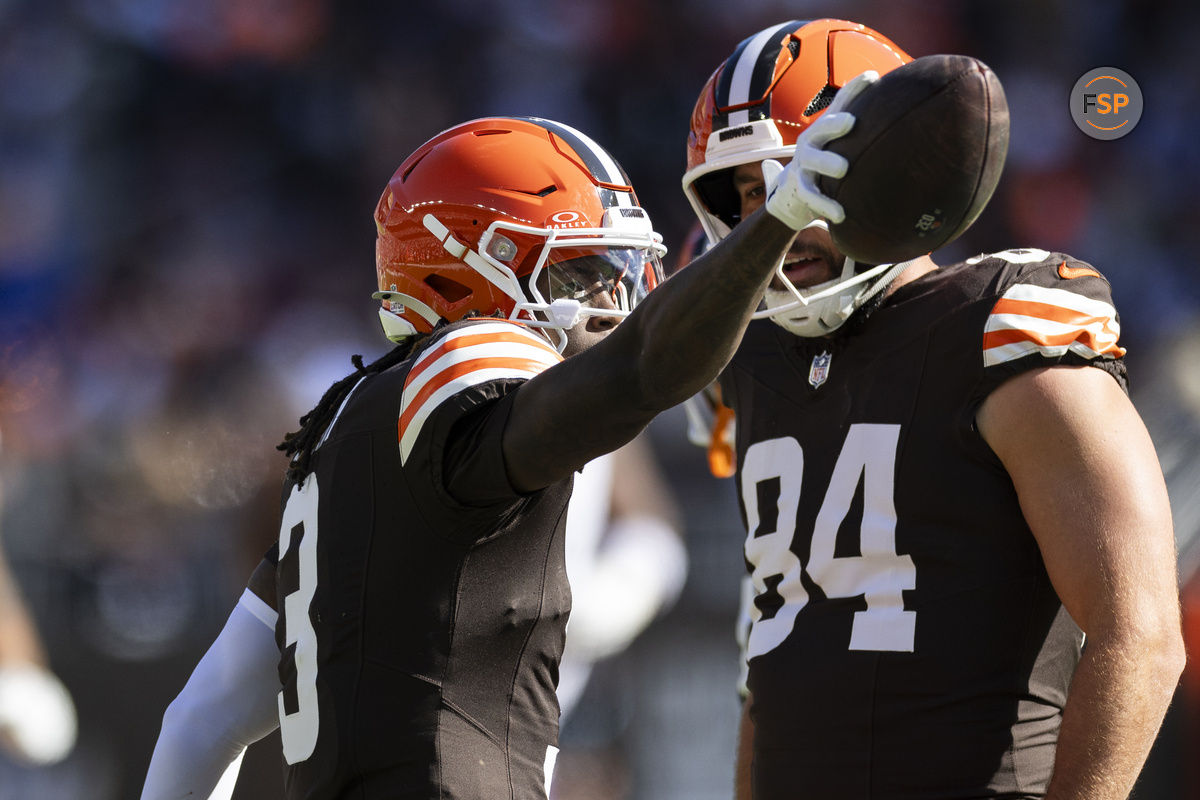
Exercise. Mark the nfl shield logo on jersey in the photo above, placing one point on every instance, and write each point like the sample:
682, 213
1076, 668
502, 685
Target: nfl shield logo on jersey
819, 371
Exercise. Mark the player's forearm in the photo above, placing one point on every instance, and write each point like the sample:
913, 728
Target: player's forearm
1115, 707
672, 346
689, 333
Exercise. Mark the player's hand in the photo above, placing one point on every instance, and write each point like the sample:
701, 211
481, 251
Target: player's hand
792, 194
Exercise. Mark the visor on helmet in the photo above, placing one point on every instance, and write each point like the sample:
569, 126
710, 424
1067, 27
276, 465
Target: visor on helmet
575, 269
610, 278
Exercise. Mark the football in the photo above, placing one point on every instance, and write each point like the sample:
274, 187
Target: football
926, 152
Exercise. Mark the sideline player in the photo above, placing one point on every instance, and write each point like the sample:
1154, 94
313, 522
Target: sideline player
945, 487
421, 584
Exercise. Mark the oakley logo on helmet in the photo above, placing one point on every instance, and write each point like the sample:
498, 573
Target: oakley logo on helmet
567, 219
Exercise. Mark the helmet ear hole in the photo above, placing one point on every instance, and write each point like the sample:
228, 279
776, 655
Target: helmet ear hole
448, 288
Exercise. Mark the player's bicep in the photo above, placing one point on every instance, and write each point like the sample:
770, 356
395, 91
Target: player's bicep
569, 415
1091, 490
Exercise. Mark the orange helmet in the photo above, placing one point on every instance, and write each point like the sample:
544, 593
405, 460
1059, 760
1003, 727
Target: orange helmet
763, 96
516, 217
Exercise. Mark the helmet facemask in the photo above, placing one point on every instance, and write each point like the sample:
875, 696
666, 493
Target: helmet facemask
576, 273
580, 272
821, 309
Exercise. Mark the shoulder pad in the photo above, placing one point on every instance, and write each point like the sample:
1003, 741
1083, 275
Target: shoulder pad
464, 357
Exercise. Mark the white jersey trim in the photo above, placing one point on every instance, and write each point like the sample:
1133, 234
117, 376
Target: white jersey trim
1094, 338
258, 608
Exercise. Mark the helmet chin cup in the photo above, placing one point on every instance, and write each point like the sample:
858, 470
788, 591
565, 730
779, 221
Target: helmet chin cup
563, 314
395, 327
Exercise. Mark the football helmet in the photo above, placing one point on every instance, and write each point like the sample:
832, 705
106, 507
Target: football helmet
752, 109
514, 217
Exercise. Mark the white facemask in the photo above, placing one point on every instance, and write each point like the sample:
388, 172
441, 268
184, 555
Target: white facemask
820, 310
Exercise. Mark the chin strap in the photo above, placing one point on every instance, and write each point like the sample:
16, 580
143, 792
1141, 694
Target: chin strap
838, 316
829, 308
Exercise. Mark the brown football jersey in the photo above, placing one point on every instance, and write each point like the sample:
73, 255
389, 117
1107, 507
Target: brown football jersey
423, 600
905, 640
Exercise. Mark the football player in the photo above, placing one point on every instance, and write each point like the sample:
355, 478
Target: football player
944, 484
419, 576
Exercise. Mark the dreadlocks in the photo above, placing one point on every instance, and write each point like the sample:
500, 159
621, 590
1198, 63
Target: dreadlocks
300, 444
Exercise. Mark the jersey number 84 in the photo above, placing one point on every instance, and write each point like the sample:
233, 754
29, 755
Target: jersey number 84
879, 574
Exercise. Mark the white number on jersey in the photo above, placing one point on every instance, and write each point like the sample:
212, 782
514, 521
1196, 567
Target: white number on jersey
298, 544
879, 574
771, 551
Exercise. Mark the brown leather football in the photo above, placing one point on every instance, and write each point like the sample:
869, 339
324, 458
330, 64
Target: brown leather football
926, 153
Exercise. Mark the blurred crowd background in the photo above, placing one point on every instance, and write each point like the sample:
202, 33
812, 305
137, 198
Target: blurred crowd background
186, 262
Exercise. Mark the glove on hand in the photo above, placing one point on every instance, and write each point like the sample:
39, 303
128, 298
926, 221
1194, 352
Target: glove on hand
37, 717
792, 194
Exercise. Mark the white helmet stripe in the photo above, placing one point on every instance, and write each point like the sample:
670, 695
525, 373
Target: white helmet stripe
743, 70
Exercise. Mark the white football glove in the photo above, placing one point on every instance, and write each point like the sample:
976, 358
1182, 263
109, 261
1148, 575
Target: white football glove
792, 194
37, 717
638, 573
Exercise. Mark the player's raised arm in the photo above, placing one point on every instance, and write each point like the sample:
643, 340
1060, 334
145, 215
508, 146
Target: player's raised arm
679, 338
673, 345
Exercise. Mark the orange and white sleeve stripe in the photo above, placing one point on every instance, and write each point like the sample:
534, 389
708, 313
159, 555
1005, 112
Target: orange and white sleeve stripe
1031, 319
466, 357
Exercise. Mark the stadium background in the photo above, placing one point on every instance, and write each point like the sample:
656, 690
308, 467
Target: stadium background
186, 256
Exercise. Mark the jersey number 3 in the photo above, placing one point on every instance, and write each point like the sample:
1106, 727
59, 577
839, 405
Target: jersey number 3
879, 574
298, 712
